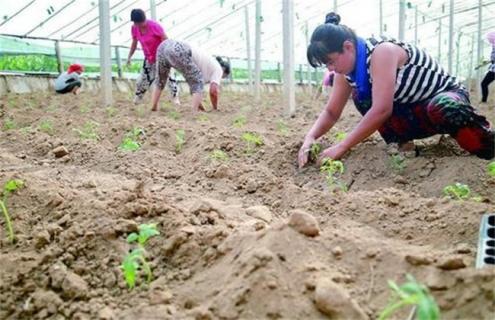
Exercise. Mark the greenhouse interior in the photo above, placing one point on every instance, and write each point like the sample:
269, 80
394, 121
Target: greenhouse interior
247, 159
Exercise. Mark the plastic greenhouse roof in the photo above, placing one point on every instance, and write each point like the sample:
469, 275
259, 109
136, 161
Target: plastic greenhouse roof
218, 26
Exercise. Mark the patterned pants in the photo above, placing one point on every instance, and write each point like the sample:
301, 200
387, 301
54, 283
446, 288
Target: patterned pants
448, 112
178, 55
147, 77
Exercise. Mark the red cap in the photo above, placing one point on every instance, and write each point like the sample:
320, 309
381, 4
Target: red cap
75, 68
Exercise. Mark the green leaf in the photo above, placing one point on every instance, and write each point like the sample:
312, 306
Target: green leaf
147, 231
13, 185
491, 169
132, 237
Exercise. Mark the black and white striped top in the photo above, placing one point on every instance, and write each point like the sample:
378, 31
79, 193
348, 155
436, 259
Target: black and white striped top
419, 79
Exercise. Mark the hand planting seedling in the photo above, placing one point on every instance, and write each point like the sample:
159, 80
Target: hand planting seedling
88, 132
282, 127
9, 187
9, 124
340, 136
136, 260
415, 294
252, 140
332, 168
180, 140
314, 151
219, 155
398, 163
458, 191
239, 121
46, 126
491, 169
130, 141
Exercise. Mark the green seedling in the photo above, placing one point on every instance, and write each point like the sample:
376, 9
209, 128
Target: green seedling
282, 127
252, 140
146, 231
398, 163
491, 169
202, 118
26, 130
314, 151
133, 262
84, 108
332, 169
88, 132
9, 187
219, 155
136, 260
174, 115
458, 191
46, 126
239, 121
415, 294
180, 140
340, 136
111, 111
9, 124
130, 141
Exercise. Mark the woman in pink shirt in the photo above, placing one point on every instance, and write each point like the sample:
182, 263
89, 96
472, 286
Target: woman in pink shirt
150, 34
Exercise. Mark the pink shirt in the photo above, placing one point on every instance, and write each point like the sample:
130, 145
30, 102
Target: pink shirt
150, 39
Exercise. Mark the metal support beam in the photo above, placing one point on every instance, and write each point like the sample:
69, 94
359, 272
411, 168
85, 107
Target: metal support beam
248, 49
119, 61
50, 17
439, 55
288, 38
308, 72
335, 5
471, 64
60, 65
457, 53
257, 48
402, 19
105, 53
279, 73
15, 14
416, 25
153, 9
480, 41
451, 36
381, 18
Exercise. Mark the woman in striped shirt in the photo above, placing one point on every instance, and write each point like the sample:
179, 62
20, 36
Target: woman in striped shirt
490, 74
400, 90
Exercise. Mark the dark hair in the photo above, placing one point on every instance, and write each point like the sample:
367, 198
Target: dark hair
137, 15
328, 38
224, 64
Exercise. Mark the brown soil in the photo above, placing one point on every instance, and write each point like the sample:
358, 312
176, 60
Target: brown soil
216, 256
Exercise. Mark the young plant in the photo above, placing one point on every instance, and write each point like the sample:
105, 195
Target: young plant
9, 124
202, 118
88, 132
415, 294
458, 191
131, 140
111, 111
340, 136
46, 126
239, 121
314, 151
398, 163
180, 140
332, 169
84, 108
9, 187
252, 140
491, 169
282, 127
219, 155
136, 260
174, 115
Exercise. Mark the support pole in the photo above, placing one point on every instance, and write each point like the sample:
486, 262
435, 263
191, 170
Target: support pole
381, 18
439, 55
416, 25
248, 50
308, 72
480, 42
457, 54
119, 62
60, 64
451, 36
471, 64
288, 38
279, 73
105, 53
231, 75
335, 6
257, 48
153, 9
402, 19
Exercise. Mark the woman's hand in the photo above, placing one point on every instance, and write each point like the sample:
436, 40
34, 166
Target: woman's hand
303, 155
335, 152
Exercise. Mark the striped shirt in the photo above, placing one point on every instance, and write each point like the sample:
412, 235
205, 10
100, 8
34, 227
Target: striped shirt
419, 79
